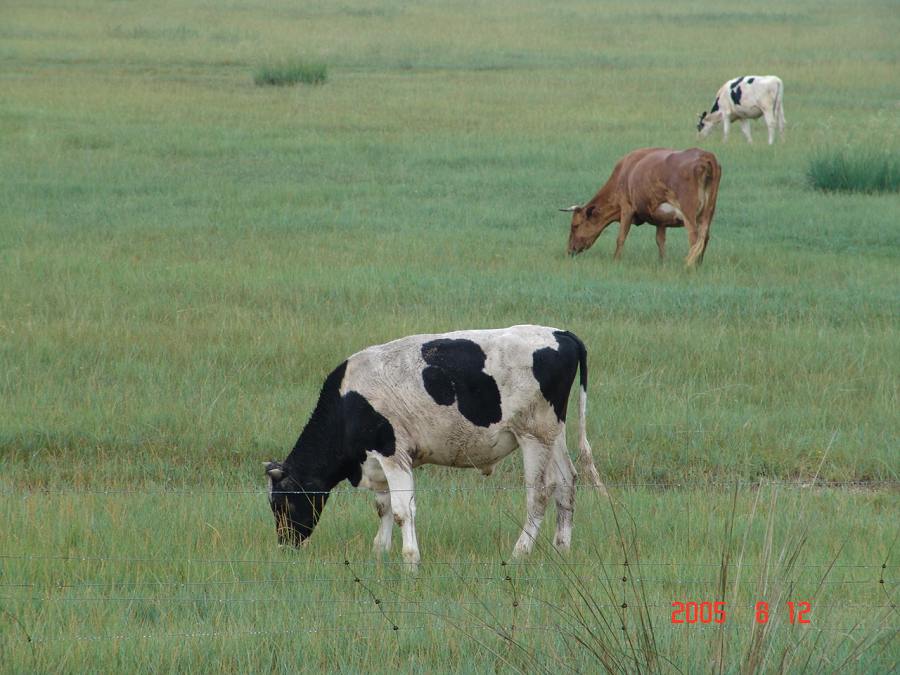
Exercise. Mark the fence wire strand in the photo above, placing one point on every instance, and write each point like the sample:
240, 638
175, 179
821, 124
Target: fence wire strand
343, 581
378, 563
385, 610
450, 489
360, 632
655, 603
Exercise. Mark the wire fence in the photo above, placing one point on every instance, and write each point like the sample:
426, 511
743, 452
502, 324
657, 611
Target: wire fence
79, 579
379, 563
428, 613
380, 631
741, 484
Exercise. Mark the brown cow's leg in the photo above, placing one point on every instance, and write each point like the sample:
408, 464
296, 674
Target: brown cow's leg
624, 226
704, 233
690, 207
705, 220
698, 247
695, 241
709, 206
661, 241
692, 239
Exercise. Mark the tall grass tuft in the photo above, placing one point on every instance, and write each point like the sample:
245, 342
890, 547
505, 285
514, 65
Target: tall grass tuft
610, 621
618, 640
287, 73
866, 170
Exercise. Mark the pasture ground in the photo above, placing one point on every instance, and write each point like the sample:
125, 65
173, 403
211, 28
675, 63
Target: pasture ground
185, 255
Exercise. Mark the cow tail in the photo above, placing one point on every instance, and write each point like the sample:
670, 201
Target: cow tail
713, 175
707, 173
585, 457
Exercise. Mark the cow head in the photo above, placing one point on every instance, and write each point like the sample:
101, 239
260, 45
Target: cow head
583, 233
701, 121
706, 121
296, 506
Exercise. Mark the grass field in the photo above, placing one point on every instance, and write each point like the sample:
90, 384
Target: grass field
184, 255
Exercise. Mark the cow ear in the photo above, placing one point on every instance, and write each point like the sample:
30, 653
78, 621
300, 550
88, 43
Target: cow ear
274, 470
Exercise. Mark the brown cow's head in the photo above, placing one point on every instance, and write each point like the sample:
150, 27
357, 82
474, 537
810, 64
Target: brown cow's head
584, 232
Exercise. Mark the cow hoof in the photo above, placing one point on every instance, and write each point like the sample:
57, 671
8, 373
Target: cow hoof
521, 550
562, 546
411, 560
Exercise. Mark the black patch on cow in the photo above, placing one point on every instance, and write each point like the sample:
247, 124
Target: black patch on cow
334, 442
364, 429
750, 80
325, 420
314, 467
736, 82
332, 447
439, 385
554, 370
455, 373
736, 95
715, 105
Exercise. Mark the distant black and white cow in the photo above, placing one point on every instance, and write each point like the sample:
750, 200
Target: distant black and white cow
465, 399
744, 99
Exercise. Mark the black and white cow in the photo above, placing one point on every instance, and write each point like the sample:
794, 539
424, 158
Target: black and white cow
746, 98
464, 399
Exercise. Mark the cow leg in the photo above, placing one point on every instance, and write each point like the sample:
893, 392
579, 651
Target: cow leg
382, 543
703, 249
702, 244
624, 226
561, 478
692, 238
703, 236
726, 124
771, 123
403, 505
535, 456
745, 129
690, 207
661, 242
697, 242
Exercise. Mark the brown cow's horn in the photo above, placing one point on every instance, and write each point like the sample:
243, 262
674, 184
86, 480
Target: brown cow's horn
574, 207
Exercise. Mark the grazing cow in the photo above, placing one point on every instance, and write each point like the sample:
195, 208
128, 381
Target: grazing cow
663, 187
746, 98
462, 399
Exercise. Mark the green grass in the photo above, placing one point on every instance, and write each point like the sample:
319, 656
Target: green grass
856, 170
185, 255
290, 72
220, 592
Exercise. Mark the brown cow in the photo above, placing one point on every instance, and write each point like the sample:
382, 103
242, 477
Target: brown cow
663, 187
